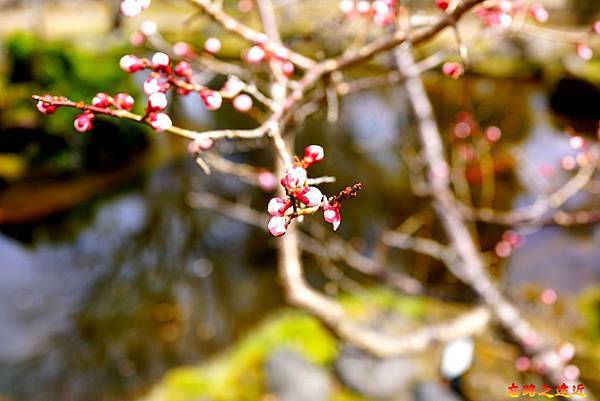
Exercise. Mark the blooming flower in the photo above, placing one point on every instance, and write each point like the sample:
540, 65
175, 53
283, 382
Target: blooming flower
331, 214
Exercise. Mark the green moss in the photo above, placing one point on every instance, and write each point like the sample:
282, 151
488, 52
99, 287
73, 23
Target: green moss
237, 374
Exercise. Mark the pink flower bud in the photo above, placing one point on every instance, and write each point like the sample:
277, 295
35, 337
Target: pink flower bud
277, 226
442, 4
277, 206
242, 103
566, 352
287, 68
152, 84
161, 61
46, 108
584, 51
310, 196
212, 99
212, 45
493, 134
255, 55
200, 144
130, 63
347, 6
503, 249
157, 101
363, 7
131, 8
576, 142
453, 70
148, 28
124, 101
267, 181
182, 49
549, 296
101, 100
523, 364
313, 154
294, 177
137, 38
596, 27
538, 12
183, 69
331, 214
160, 121
83, 122
232, 87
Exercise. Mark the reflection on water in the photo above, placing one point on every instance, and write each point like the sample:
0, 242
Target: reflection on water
112, 294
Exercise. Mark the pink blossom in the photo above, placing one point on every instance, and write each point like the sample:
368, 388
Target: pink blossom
137, 38
44, 107
596, 27
493, 134
287, 68
310, 196
130, 63
277, 226
157, 101
584, 51
161, 61
212, 99
153, 84
294, 177
160, 121
442, 4
453, 70
549, 296
124, 101
148, 28
233, 86
183, 69
212, 45
83, 122
255, 55
278, 205
182, 49
523, 364
313, 154
101, 100
538, 12
242, 102
331, 214
267, 181
131, 8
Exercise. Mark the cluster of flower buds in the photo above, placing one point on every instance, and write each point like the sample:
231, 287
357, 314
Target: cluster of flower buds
102, 103
133, 8
499, 13
300, 197
510, 240
162, 77
382, 12
277, 56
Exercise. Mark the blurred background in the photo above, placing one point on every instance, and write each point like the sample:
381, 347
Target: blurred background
113, 287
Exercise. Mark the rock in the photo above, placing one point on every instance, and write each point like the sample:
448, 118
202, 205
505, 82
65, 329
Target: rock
292, 378
433, 391
373, 377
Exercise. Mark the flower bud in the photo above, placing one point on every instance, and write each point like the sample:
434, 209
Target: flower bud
148, 28
584, 51
212, 45
255, 55
157, 101
363, 7
287, 68
44, 107
313, 154
277, 226
161, 61
101, 100
242, 103
232, 87
277, 206
310, 196
212, 99
160, 121
130, 63
152, 84
183, 69
347, 6
331, 214
131, 8
453, 70
182, 49
267, 181
442, 4
294, 177
124, 101
83, 122
538, 12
